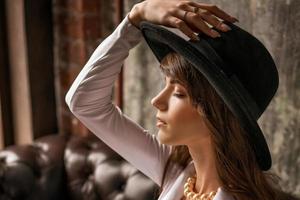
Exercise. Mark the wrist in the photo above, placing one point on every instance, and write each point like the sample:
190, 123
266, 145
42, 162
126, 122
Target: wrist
135, 15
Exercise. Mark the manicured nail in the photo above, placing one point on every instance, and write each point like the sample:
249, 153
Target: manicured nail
224, 27
215, 33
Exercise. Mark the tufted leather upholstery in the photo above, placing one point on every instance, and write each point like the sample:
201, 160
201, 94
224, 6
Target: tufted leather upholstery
75, 168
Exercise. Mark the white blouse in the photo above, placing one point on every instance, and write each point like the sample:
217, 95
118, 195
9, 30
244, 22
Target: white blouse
90, 100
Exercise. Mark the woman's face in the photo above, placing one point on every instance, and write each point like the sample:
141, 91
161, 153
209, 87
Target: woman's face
183, 124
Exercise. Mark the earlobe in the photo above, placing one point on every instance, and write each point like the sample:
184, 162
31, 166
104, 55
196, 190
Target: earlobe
200, 111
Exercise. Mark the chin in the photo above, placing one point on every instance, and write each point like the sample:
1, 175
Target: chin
165, 139
161, 137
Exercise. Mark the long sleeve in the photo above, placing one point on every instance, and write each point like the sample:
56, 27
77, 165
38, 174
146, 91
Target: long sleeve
90, 100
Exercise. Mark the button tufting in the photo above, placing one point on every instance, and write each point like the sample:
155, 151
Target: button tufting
91, 177
122, 186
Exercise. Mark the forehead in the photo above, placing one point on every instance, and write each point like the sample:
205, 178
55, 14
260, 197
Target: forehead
173, 81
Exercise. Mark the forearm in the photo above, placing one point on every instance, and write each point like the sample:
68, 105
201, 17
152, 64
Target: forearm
92, 87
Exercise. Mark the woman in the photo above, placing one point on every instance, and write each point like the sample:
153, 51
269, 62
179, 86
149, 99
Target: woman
192, 152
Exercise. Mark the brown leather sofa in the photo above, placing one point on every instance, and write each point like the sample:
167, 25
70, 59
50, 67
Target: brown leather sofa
73, 168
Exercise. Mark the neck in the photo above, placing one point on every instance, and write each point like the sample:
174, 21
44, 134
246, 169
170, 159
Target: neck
204, 163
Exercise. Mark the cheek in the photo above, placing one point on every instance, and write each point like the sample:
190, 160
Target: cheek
185, 118
185, 125
190, 123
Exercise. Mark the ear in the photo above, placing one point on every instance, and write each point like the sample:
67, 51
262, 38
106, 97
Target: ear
200, 110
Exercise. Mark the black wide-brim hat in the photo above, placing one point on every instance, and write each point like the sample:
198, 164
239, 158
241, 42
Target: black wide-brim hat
236, 64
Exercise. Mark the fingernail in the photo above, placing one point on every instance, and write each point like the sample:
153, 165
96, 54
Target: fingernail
215, 33
225, 27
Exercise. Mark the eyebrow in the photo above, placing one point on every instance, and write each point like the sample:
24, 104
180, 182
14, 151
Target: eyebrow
174, 81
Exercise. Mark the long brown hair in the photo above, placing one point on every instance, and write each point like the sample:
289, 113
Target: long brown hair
235, 160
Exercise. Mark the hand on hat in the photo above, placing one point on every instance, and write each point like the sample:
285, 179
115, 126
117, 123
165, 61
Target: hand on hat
188, 16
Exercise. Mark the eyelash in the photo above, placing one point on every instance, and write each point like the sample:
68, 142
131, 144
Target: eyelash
178, 95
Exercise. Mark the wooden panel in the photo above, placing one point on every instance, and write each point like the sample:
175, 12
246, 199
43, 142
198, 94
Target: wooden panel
1, 129
6, 122
21, 103
39, 39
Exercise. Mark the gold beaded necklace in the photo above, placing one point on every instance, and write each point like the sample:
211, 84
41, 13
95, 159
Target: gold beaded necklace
191, 195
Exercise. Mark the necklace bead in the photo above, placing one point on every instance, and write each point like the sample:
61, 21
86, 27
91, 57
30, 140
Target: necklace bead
191, 195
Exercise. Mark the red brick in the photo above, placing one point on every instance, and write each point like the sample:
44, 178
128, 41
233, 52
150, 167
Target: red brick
70, 25
66, 123
74, 5
67, 77
59, 3
79, 26
80, 6
85, 6
77, 53
73, 52
91, 6
92, 28
69, 5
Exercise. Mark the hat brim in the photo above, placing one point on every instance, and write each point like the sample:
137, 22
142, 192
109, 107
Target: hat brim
162, 41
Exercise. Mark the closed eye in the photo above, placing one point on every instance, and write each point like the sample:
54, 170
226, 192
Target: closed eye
178, 95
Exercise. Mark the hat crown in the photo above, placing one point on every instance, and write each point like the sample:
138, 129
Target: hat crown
244, 57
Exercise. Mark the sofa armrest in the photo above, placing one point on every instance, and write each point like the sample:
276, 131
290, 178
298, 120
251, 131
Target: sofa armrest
33, 171
95, 171
76, 168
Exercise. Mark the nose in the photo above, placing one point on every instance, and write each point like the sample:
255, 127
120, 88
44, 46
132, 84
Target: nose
159, 101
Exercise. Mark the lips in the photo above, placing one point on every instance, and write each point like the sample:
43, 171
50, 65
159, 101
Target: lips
160, 121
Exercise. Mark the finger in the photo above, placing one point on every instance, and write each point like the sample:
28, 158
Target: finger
207, 16
197, 21
184, 5
181, 25
215, 10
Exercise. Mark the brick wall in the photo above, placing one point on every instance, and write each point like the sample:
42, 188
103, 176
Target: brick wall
78, 28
